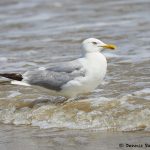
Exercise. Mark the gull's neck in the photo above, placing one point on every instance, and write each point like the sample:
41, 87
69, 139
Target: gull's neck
92, 54
95, 57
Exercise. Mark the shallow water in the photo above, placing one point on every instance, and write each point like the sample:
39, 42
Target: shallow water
40, 33
32, 138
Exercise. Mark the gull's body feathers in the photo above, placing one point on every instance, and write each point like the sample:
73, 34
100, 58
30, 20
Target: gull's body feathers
95, 65
55, 77
71, 78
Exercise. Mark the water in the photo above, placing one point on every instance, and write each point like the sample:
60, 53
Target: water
41, 32
22, 138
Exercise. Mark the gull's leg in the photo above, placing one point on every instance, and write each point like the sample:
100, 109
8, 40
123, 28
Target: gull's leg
79, 97
59, 99
69, 100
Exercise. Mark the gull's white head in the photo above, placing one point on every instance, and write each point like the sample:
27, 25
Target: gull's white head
95, 45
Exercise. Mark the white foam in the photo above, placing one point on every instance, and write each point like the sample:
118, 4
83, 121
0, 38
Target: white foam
42, 68
3, 59
143, 91
13, 94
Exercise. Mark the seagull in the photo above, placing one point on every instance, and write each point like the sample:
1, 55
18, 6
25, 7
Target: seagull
72, 78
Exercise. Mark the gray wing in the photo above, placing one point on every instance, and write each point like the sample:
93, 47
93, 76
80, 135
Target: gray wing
55, 77
67, 67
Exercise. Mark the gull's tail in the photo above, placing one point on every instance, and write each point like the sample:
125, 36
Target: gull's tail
13, 76
16, 78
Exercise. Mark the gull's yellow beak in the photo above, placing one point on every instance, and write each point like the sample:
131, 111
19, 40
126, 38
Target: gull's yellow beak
109, 46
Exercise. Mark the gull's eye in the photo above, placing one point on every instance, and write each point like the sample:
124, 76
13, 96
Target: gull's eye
94, 43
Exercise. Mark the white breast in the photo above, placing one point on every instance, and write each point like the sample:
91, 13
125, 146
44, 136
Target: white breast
95, 65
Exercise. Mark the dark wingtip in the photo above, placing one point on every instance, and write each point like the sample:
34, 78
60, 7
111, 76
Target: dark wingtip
14, 76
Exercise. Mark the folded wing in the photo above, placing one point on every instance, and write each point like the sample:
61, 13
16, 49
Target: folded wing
55, 77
